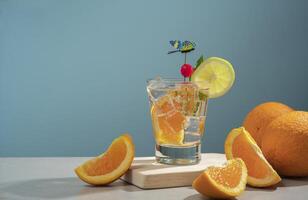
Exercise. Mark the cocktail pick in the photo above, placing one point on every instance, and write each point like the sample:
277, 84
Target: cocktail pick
184, 47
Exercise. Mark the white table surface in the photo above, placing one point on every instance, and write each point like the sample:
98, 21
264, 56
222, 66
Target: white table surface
54, 179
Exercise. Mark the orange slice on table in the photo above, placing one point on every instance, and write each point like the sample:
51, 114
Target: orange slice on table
239, 144
223, 182
110, 165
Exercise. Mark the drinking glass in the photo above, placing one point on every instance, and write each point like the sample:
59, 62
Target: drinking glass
178, 113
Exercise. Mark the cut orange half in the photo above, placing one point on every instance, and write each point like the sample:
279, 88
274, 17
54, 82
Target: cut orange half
239, 144
110, 165
223, 182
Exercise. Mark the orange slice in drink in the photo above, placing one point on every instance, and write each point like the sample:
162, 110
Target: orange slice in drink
168, 122
239, 144
223, 182
110, 165
169, 114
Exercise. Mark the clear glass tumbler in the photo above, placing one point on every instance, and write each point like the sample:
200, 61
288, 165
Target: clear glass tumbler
178, 112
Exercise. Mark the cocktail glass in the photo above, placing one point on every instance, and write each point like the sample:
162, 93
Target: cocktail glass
178, 113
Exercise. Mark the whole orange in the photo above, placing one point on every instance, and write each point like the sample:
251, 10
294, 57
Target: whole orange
285, 144
259, 117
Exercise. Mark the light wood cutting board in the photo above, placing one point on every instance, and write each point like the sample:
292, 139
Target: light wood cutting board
146, 173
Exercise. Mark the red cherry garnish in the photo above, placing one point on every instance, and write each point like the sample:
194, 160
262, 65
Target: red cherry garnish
187, 70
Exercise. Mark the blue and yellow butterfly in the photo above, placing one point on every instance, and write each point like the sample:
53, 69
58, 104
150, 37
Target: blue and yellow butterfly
182, 47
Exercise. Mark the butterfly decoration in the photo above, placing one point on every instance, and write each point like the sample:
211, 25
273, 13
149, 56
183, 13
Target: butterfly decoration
183, 47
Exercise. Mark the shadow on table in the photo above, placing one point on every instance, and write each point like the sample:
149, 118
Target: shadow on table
265, 189
61, 188
293, 182
200, 197
286, 182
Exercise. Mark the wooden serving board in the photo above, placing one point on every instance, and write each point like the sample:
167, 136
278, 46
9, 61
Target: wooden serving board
146, 173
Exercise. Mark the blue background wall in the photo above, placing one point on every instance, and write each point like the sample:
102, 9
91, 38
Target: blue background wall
73, 73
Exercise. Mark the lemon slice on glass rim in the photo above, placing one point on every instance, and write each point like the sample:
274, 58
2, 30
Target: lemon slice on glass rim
214, 73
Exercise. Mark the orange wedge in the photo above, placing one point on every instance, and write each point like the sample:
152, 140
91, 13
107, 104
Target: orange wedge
223, 182
239, 144
110, 165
